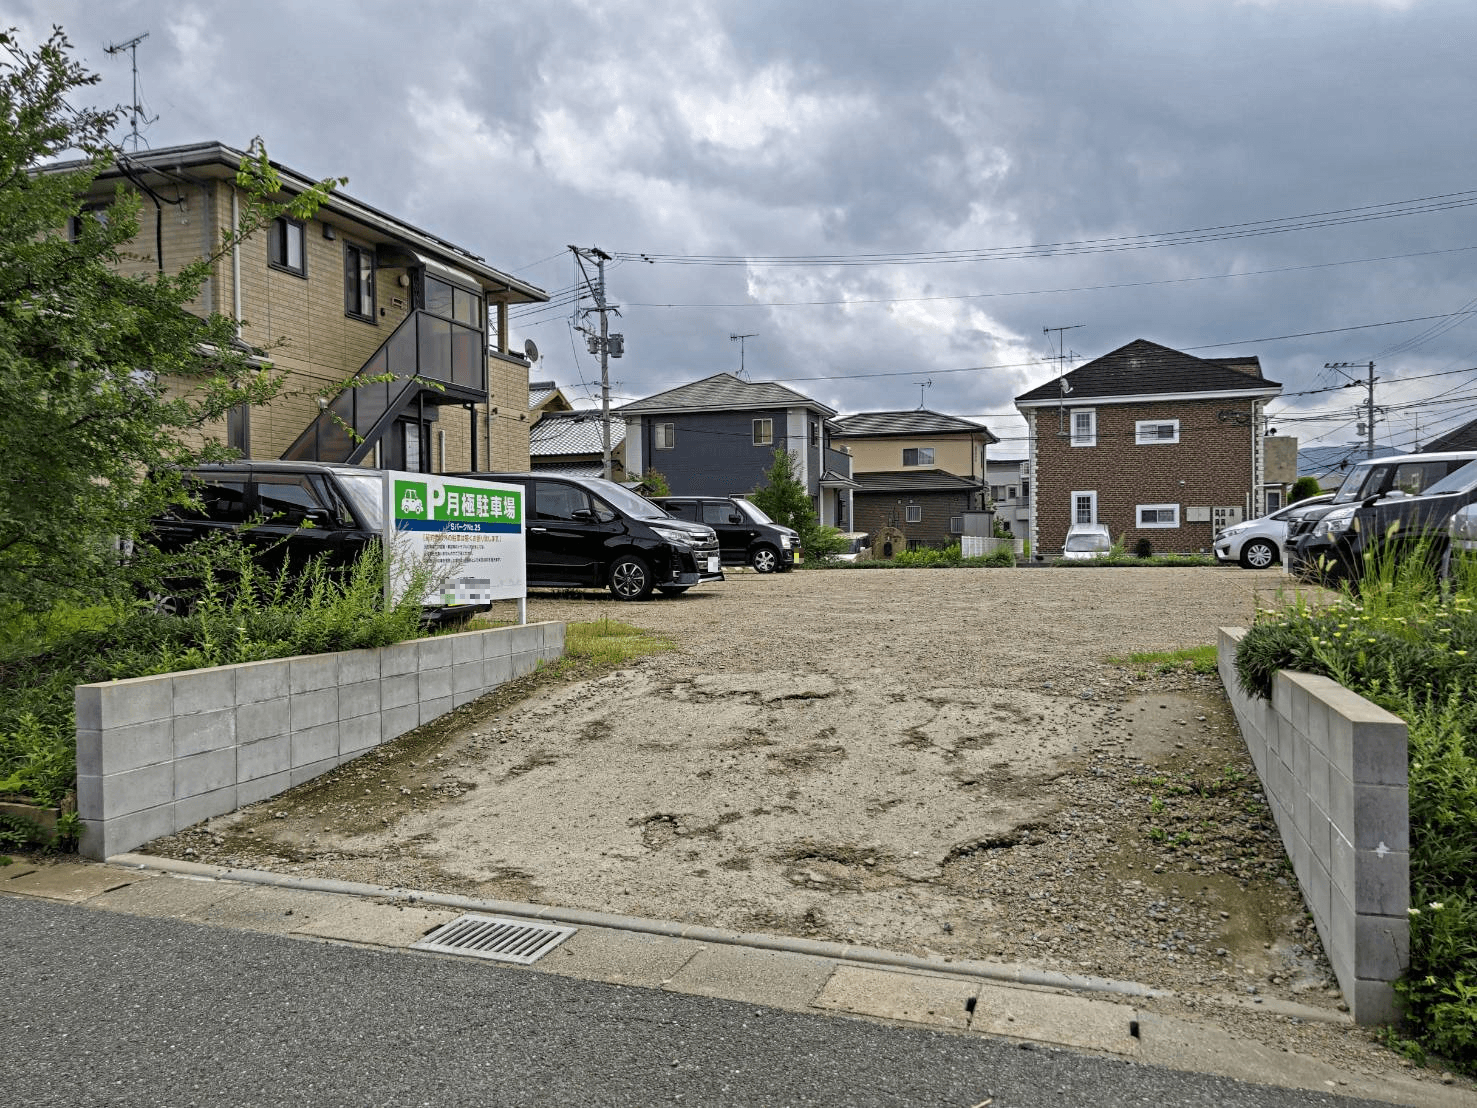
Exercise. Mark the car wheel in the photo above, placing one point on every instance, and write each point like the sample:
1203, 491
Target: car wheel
673, 590
1258, 554
167, 604
765, 559
630, 578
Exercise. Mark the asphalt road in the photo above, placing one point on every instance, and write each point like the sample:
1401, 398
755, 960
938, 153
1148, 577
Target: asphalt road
105, 1009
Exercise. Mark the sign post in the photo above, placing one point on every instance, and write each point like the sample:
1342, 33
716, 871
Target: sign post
469, 533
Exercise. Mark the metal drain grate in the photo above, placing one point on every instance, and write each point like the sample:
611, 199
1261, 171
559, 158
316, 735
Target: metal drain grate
495, 938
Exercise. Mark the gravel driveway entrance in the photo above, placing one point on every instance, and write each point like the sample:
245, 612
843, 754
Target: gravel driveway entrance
927, 761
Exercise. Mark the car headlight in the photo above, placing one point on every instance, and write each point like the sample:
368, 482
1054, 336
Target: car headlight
677, 538
785, 541
1335, 522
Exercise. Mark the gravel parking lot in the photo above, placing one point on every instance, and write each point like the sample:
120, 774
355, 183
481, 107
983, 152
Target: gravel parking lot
940, 762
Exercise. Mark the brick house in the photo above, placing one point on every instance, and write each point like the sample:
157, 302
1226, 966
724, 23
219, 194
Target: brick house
918, 471
717, 437
351, 291
1155, 443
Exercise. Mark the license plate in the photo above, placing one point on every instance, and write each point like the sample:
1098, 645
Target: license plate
713, 564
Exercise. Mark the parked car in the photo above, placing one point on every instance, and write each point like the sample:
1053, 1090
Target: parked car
288, 512
1396, 524
746, 535
1087, 540
1258, 543
585, 531
857, 543
1310, 542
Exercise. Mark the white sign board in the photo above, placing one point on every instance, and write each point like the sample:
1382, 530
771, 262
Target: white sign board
470, 531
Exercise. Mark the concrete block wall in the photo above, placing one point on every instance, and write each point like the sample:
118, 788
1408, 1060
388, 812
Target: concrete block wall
1334, 770
157, 754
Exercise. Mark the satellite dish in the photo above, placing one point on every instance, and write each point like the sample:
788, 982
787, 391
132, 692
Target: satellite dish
530, 350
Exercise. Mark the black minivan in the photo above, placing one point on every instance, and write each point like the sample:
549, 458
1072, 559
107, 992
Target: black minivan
746, 536
584, 531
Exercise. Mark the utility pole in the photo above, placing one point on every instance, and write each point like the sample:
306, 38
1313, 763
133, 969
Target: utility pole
605, 344
135, 109
1368, 403
740, 340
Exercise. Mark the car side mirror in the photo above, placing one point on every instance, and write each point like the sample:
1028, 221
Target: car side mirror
584, 515
734, 517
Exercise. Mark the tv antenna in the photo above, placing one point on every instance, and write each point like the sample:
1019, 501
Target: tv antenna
135, 109
1061, 357
740, 340
922, 385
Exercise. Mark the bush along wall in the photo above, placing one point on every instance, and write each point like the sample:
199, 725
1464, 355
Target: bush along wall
1412, 649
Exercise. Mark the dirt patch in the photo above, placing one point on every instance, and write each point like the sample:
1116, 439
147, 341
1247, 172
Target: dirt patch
931, 762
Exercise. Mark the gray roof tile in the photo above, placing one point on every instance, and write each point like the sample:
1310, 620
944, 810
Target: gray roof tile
723, 392
560, 433
918, 422
923, 480
1143, 368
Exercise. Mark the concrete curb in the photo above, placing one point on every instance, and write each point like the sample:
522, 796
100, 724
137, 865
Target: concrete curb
1012, 975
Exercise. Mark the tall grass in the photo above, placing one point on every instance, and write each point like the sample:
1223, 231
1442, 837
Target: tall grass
242, 614
1408, 641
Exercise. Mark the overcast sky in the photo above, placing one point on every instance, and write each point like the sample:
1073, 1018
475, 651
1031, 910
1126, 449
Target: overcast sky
839, 130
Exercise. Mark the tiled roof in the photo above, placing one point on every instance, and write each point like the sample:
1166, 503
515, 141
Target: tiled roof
723, 392
562, 433
1462, 438
919, 422
573, 469
1144, 368
541, 392
1325, 461
922, 480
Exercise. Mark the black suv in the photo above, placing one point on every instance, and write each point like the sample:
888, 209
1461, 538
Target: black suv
1396, 523
289, 513
1312, 539
583, 531
746, 536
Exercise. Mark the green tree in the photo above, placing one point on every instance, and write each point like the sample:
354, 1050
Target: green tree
783, 498
1303, 488
104, 377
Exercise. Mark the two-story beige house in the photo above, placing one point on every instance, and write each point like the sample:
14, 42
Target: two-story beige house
353, 291
917, 471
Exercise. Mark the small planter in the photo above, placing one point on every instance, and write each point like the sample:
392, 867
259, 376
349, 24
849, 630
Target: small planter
43, 819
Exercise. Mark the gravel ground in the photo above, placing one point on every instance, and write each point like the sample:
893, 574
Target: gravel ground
938, 762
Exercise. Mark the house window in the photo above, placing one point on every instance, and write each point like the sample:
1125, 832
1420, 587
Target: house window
1274, 499
918, 456
285, 246
913, 513
956, 525
997, 493
1159, 515
815, 433
1010, 494
358, 281
666, 436
1025, 492
238, 429
1149, 431
98, 213
1084, 507
764, 432
1084, 427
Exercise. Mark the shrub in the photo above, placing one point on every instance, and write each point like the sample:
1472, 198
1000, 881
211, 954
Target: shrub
1143, 549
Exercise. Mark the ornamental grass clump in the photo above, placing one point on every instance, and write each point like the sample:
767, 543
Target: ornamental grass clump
1408, 642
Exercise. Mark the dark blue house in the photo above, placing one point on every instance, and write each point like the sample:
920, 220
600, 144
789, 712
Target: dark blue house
717, 437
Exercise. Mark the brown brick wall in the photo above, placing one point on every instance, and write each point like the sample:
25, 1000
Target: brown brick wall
1209, 467
873, 511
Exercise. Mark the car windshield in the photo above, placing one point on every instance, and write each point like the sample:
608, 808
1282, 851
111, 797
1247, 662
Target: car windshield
1458, 480
753, 511
1349, 490
1079, 543
624, 500
366, 491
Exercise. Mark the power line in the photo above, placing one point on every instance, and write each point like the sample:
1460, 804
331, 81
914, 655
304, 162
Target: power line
1115, 243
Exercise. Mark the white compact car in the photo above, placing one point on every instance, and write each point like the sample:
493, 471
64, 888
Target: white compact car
1087, 540
1258, 543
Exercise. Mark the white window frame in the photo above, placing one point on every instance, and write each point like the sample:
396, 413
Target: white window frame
764, 432
1146, 432
1087, 437
956, 525
913, 513
1138, 515
664, 436
922, 454
1092, 499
